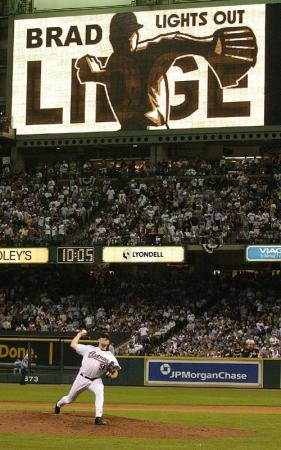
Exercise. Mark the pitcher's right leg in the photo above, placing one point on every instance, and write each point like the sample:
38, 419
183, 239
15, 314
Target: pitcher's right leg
79, 385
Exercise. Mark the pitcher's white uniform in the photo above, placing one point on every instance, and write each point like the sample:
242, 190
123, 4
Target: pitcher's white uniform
94, 365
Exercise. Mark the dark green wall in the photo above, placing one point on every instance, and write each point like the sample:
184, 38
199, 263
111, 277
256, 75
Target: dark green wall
271, 374
132, 374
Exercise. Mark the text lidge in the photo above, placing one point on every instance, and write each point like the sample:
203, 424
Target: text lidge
216, 106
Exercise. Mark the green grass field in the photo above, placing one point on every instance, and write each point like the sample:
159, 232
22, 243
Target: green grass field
265, 425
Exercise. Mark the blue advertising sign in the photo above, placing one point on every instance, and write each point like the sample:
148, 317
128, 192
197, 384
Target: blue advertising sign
263, 252
203, 373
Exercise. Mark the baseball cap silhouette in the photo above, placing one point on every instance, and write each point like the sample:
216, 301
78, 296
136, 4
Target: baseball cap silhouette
124, 24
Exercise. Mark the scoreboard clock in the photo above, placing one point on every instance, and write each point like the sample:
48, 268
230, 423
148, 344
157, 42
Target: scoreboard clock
83, 255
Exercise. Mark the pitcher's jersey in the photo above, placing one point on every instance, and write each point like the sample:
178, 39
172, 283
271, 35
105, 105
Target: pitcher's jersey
95, 360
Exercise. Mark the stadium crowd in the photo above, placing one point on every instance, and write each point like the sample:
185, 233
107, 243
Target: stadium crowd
134, 203
175, 313
42, 206
191, 202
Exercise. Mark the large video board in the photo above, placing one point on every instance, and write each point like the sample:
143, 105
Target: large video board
148, 70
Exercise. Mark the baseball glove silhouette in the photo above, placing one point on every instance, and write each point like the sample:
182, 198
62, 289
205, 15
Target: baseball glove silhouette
234, 52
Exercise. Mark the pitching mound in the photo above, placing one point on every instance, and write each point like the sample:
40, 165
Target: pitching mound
83, 424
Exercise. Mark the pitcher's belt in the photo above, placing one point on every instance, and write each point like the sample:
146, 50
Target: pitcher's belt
88, 378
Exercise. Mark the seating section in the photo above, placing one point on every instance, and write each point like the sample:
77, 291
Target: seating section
172, 312
135, 203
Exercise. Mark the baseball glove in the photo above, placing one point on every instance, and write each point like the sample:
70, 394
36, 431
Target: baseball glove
234, 52
111, 369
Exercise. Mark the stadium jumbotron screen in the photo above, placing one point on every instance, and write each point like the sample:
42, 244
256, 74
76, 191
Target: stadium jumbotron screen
173, 69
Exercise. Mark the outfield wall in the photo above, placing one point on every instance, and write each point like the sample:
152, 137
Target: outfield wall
158, 371
52, 361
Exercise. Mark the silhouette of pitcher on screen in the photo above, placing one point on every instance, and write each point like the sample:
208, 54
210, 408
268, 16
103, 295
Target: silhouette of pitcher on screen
135, 73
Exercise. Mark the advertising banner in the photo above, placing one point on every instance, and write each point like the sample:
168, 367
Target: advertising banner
43, 351
156, 254
263, 253
189, 68
203, 373
13, 349
30, 255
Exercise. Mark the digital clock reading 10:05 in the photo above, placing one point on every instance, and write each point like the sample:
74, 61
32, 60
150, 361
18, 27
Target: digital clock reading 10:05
75, 255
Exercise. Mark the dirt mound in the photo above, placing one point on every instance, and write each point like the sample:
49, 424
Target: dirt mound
83, 424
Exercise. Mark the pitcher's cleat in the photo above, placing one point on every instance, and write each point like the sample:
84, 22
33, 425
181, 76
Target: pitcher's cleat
100, 421
57, 409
